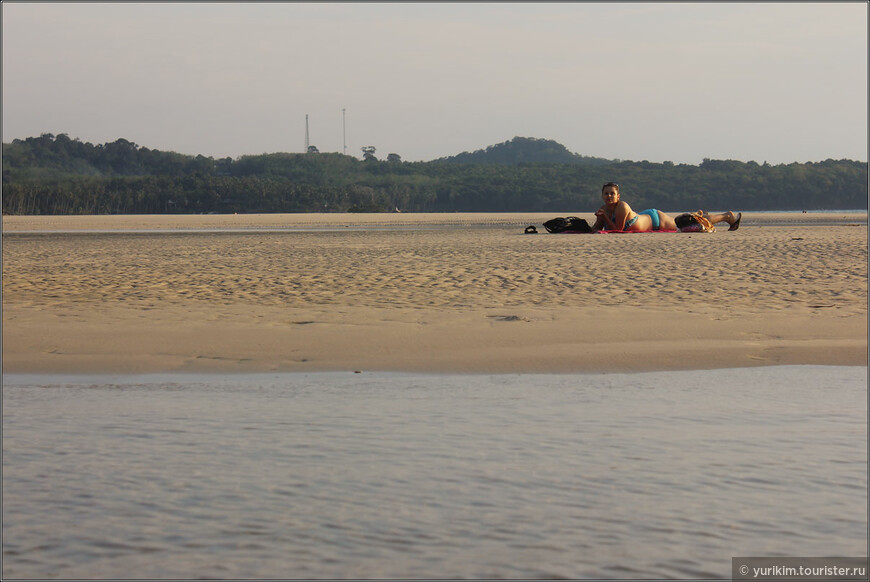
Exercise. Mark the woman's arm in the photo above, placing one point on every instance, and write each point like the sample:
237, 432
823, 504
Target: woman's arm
623, 211
600, 218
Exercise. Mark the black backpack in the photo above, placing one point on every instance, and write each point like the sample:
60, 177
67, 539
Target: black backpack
569, 224
693, 222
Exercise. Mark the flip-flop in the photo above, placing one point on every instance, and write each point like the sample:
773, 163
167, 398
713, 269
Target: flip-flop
736, 224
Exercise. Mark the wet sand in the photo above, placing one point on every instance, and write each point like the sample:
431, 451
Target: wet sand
427, 293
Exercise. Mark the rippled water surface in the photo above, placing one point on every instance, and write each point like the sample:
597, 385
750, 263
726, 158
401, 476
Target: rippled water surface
661, 475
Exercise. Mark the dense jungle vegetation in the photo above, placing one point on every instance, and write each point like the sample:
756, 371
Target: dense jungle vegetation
54, 174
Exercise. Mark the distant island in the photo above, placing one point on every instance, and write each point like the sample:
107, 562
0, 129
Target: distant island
56, 174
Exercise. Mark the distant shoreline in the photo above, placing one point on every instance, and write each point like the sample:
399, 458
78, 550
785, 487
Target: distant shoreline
58, 175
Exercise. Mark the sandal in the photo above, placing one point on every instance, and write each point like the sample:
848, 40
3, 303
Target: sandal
736, 224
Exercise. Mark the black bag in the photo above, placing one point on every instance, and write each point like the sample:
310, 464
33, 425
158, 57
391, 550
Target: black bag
685, 220
693, 222
569, 224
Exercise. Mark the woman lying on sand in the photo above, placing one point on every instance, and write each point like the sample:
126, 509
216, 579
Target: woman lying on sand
616, 214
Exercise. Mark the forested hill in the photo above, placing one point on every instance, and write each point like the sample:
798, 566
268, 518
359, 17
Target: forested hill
58, 175
524, 150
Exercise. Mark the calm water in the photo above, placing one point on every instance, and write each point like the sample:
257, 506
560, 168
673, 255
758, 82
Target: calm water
333, 475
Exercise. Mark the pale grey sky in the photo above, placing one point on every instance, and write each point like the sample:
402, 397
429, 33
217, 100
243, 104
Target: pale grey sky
776, 82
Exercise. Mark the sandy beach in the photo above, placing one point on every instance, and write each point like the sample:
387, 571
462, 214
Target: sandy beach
427, 293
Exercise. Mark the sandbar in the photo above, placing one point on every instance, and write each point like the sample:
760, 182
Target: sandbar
458, 293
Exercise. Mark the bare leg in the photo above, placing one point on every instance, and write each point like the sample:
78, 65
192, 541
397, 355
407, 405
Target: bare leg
728, 217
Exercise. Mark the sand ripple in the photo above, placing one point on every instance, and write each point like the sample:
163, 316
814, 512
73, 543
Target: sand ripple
762, 268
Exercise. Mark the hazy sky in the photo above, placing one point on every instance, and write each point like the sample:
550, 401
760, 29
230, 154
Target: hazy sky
778, 82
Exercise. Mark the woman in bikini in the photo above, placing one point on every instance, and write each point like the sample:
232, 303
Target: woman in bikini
616, 214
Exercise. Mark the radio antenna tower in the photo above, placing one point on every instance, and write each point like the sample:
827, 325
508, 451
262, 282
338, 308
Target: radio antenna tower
344, 129
306, 133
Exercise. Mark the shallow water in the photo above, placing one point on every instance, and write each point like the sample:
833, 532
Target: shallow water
337, 475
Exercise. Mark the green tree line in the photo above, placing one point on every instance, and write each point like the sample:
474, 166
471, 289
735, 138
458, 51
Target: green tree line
57, 175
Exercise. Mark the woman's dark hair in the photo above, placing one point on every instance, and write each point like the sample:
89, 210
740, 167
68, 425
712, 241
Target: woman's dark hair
614, 184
